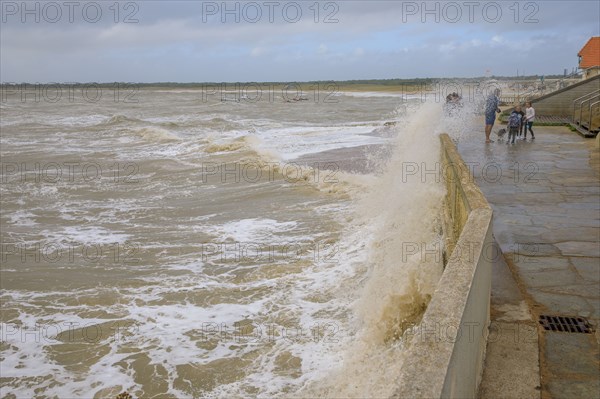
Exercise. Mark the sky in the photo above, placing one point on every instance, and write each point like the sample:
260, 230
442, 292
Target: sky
289, 41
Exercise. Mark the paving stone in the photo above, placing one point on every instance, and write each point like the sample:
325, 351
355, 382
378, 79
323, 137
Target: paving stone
557, 221
520, 237
508, 209
571, 180
540, 263
528, 230
528, 248
535, 210
539, 209
521, 377
545, 198
572, 164
568, 388
539, 187
569, 353
578, 190
590, 206
550, 278
582, 214
512, 242
595, 315
579, 248
568, 305
513, 220
580, 288
571, 234
588, 268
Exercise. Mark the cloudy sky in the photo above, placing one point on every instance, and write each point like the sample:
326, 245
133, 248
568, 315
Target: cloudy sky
205, 41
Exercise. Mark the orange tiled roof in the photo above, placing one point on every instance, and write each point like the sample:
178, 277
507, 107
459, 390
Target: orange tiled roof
590, 53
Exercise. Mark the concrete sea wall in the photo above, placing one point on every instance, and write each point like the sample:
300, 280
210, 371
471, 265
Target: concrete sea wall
445, 353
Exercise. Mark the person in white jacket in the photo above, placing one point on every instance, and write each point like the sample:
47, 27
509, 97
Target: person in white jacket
529, 118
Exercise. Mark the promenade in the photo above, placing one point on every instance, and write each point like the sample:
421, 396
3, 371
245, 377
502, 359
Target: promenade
545, 196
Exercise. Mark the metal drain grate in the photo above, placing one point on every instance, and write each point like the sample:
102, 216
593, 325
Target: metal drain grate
566, 324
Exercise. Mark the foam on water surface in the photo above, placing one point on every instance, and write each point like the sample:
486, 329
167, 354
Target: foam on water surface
313, 312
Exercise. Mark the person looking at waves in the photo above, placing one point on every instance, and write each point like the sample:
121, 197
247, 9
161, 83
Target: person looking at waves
522, 127
491, 108
529, 118
514, 124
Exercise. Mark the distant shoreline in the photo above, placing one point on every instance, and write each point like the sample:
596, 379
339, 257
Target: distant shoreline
351, 85
293, 91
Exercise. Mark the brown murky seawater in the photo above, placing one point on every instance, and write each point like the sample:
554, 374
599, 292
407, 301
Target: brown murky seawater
175, 247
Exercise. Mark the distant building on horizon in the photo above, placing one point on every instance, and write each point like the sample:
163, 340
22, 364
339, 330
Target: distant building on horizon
589, 57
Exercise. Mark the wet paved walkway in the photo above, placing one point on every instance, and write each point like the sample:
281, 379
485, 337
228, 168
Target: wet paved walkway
546, 200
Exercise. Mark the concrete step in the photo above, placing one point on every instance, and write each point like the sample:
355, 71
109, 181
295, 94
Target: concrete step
583, 131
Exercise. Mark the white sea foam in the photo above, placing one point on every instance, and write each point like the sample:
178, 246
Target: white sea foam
250, 230
93, 235
348, 289
398, 286
23, 218
292, 143
368, 94
80, 121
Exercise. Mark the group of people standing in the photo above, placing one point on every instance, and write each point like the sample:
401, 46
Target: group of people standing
519, 122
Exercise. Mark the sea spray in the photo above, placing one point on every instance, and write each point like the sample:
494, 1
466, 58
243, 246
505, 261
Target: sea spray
293, 256
402, 212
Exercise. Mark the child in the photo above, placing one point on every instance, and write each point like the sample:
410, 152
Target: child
520, 133
529, 118
514, 124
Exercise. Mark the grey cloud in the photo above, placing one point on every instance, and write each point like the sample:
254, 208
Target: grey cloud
172, 42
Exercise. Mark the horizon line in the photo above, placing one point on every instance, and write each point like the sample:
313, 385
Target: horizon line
348, 81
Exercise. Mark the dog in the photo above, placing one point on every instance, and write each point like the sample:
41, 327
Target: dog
501, 134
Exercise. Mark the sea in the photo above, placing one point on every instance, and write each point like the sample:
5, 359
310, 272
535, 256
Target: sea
177, 245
